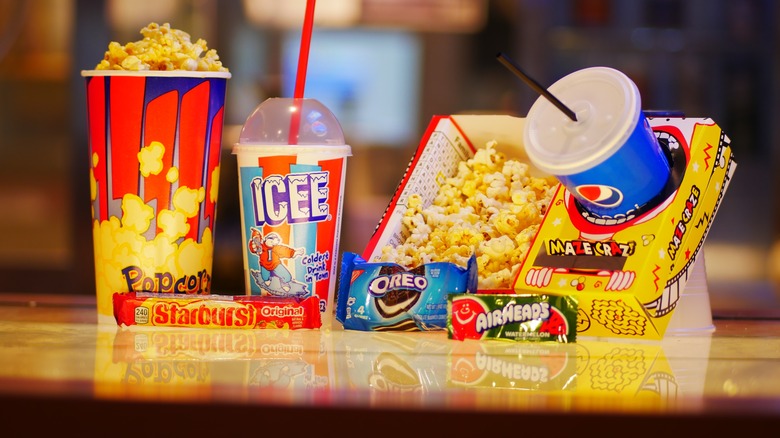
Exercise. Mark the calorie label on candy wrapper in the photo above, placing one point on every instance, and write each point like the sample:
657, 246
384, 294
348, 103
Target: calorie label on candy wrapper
536, 318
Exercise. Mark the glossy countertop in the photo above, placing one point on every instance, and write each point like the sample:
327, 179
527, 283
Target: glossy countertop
58, 367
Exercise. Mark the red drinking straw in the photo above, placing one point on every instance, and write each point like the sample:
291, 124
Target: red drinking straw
300, 79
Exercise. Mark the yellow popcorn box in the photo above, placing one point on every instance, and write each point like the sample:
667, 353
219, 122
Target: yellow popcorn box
629, 272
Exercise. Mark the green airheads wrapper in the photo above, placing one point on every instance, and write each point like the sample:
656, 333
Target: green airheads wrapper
532, 318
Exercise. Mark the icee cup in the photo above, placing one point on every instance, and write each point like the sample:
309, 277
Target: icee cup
609, 159
291, 159
154, 147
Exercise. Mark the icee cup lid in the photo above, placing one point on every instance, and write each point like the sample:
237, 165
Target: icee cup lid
269, 126
607, 105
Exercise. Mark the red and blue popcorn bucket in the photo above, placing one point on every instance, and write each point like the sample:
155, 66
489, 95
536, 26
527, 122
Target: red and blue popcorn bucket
154, 143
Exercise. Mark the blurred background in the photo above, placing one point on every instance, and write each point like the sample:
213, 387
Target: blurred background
385, 67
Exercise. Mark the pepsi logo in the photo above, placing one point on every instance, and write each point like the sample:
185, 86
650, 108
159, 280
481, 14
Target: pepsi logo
601, 195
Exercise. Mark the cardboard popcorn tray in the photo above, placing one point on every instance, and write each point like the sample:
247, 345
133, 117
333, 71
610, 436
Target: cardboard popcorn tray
627, 273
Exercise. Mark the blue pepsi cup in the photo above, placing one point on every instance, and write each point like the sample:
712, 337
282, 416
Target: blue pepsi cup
609, 159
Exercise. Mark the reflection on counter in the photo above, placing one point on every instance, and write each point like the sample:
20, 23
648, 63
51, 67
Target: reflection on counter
202, 363
590, 367
527, 366
391, 362
137, 361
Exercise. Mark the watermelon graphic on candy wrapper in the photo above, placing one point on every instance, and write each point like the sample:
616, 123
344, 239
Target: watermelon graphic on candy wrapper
556, 324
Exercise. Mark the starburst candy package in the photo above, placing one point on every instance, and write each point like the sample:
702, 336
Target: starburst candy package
144, 309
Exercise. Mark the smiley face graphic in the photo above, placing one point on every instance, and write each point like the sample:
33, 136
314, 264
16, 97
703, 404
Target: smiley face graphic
464, 317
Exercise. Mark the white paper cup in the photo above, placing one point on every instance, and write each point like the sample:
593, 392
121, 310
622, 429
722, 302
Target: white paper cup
693, 314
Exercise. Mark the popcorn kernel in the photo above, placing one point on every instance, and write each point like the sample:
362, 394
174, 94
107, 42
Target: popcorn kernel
161, 48
491, 207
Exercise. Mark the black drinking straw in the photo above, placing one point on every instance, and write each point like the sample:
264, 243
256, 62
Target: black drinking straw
535, 85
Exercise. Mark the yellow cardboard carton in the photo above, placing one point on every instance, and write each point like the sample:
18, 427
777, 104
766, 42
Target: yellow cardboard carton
627, 272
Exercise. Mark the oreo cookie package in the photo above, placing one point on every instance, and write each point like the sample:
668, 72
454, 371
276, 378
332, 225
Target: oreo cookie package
385, 296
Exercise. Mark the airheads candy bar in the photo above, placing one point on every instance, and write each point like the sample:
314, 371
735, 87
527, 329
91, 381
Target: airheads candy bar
535, 318
215, 311
386, 297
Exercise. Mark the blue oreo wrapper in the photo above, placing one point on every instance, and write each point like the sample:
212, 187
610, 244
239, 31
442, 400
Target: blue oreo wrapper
385, 296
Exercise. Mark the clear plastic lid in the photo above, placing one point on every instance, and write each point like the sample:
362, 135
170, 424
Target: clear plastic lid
607, 104
273, 120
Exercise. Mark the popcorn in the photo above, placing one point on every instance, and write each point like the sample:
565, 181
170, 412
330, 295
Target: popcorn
492, 207
161, 48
